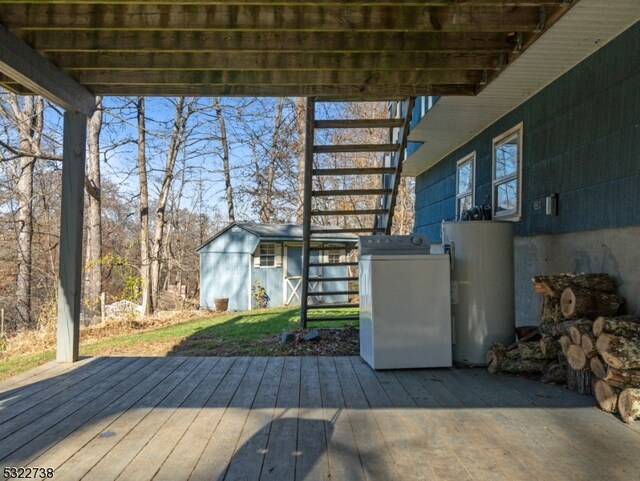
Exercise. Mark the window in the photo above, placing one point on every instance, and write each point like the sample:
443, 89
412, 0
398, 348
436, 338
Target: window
507, 168
334, 256
267, 255
465, 181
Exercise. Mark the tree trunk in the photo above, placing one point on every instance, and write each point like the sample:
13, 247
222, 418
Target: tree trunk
629, 404
266, 207
30, 121
555, 284
145, 257
625, 326
93, 266
619, 352
225, 160
301, 129
607, 396
582, 302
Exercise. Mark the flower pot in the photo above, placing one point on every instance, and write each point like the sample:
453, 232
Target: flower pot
222, 303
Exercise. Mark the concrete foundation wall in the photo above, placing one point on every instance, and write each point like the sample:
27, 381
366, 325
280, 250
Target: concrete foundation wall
613, 251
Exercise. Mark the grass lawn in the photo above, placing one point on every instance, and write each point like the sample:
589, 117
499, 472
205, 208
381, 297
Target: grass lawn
250, 333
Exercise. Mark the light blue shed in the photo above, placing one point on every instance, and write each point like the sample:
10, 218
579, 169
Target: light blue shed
245, 253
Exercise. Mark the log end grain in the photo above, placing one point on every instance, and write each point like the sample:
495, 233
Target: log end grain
576, 357
597, 367
629, 404
607, 396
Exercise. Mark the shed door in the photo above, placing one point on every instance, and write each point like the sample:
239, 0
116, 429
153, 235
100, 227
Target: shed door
293, 275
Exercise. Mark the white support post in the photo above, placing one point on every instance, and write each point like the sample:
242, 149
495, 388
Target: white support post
71, 222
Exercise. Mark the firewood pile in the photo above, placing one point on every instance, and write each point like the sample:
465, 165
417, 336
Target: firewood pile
580, 342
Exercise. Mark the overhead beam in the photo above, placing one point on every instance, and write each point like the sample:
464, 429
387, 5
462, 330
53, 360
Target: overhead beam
83, 60
277, 77
274, 3
224, 17
347, 43
27, 67
344, 92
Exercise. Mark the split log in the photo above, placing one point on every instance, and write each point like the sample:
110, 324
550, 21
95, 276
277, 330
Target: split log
534, 335
619, 352
532, 350
607, 396
580, 381
576, 330
565, 342
550, 309
495, 357
622, 378
555, 373
625, 326
555, 284
588, 345
598, 367
629, 404
581, 302
561, 328
576, 358
549, 346
524, 366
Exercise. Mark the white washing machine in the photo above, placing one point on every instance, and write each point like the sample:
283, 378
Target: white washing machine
405, 306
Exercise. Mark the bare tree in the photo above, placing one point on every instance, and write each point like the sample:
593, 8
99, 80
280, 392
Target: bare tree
226, 170
145, 257
28, 119
300, 112
93, 266
177, 138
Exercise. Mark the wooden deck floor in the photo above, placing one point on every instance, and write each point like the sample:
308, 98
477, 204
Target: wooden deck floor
304, 419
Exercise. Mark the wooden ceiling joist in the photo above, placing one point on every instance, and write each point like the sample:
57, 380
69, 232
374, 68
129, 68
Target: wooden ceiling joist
315, 18
328, 48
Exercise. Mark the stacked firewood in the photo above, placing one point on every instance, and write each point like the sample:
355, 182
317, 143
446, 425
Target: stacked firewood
616, 365
565, 344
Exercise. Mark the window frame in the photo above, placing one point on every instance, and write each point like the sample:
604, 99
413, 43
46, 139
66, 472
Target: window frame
263, 256
467, 158
332, 251
515, 132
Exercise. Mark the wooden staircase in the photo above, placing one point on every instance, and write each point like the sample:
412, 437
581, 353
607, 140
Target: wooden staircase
317, 198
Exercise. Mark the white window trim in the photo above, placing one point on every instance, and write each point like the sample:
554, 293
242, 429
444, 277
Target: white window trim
515, 214
277, 259
471, 157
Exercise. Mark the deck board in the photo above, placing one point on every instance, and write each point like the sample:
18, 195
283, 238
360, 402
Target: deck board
304, 419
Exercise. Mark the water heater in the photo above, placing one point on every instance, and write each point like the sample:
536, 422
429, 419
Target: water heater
482, 287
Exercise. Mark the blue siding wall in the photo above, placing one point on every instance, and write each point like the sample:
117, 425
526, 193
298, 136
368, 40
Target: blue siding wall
581, 140
224, 275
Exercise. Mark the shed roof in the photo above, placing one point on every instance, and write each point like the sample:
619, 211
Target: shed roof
290, 232
328, 48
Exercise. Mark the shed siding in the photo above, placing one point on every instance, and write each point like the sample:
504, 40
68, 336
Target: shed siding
224, 275
581, 139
